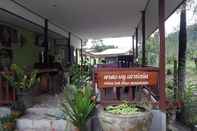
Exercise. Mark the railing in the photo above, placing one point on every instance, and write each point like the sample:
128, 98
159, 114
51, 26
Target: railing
7, 93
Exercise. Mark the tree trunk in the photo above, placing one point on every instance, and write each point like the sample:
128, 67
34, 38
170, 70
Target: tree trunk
175, 79
182, 53
195, 60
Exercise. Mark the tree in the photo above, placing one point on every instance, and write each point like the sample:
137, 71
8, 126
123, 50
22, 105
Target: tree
99, 46
182, 52
152, 48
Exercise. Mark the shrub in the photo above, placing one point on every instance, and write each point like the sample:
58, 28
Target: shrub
21, 79
78, 105
80, 75
190, 106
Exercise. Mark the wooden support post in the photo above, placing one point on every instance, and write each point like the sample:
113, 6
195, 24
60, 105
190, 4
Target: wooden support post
7, 91
46, 41
1, 89
130, 94
118, 94
162, 57
136, 47
76, 55
143, 40
94, 61
69, 48
81, 52
182, 53
133, 46
175, 79
14, 94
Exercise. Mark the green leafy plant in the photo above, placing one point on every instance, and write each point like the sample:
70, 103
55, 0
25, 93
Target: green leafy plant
21, 79
78, 105
80, 74
124, 109
190, 101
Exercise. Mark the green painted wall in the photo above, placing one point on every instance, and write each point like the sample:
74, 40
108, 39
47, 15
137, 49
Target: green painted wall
28, 54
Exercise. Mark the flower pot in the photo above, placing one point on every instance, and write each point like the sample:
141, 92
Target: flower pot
25, 98
114, 122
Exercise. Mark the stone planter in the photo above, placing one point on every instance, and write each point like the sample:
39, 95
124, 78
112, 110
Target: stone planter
135, 122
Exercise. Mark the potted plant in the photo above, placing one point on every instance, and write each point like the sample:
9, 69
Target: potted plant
78, 106
125, 117
23, 81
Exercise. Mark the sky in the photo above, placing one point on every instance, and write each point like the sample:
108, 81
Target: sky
171, 25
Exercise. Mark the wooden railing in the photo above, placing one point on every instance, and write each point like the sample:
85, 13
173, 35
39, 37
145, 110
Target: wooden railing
7, 93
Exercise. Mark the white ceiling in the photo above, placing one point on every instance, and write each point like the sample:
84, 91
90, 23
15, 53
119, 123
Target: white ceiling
96, 19
91, 18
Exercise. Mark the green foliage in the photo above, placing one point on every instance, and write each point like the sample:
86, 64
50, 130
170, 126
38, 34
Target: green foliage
78, 105
124, 109
80, 75
190, 106
21, 79
172, 42
7, 123
28, 53
152, 47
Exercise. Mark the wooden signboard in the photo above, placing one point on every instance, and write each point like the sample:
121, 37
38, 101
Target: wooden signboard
120, 77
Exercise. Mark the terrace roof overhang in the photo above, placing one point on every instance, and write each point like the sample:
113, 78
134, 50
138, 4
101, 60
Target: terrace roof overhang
94, 19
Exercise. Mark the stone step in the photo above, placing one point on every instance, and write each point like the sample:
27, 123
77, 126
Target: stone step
43, 125
39, 119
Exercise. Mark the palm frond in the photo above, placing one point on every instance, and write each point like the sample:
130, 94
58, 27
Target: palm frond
77, 105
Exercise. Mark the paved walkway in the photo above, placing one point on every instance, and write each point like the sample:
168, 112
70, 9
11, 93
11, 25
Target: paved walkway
38, 118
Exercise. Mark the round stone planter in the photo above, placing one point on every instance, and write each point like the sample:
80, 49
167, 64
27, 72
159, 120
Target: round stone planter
115, 122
